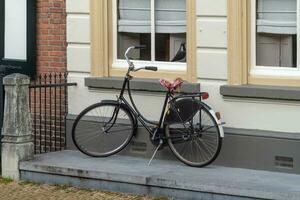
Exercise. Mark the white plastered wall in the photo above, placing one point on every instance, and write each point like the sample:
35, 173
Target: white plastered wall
211, 73
79, 61
78, 36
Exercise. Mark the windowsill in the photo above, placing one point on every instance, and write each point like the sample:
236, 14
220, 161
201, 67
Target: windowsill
136, 84
262, 92
167, 66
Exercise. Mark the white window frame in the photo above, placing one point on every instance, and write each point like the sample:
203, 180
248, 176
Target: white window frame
121, 63
256, 70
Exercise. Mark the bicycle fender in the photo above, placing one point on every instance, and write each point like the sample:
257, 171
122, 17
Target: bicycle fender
124, 106
212, 112
218, 122
110, 101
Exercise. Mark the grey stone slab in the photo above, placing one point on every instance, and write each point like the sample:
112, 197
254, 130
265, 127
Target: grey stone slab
139, 84
169, 174
264, 92
126, 187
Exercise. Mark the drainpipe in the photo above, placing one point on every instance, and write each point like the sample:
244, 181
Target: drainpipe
1, 101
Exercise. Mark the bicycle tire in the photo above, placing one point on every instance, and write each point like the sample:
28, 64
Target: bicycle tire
177, 134
101, 136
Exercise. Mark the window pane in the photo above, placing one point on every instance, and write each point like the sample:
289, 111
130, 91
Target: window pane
134, 28
126, 40
170, 47
276, 50
276, 33
15, 29
170, 28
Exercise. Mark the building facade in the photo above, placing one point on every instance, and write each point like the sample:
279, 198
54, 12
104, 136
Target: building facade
33, 36
244, 53
33, 42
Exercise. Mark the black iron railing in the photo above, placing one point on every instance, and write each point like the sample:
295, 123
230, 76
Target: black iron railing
49, 108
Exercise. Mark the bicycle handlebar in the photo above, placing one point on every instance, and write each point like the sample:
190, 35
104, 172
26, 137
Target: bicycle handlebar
126, 56
130, 63
151, 68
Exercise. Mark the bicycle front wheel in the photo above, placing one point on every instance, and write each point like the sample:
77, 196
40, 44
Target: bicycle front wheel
102, 129
196, 142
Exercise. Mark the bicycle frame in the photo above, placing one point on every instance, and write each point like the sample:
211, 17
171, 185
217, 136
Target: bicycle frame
134, 110
132, 107
136, 113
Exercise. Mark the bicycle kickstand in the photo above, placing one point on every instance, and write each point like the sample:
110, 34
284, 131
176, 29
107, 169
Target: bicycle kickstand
159, 145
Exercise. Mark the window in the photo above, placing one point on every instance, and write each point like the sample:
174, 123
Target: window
276, 33
160, 25
275, 36
263, 45
166, 27
17, 35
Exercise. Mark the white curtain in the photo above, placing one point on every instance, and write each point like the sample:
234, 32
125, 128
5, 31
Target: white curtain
277, 16
135, 16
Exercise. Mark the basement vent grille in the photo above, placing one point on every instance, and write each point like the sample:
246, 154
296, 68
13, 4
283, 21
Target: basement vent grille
284, 162
138, 147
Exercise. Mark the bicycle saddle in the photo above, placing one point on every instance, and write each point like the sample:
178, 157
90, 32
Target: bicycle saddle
172, 86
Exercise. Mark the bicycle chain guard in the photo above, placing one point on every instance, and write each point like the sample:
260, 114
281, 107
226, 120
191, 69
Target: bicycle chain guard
181, 111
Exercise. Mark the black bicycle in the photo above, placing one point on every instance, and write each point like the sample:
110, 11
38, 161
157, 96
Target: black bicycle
190, 128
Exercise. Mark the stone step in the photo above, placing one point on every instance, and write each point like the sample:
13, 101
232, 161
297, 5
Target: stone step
162, 178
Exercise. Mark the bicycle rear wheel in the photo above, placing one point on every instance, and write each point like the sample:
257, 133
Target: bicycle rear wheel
102, 129
196, 142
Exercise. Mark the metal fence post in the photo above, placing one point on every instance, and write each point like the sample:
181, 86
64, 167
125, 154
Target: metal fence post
17, 141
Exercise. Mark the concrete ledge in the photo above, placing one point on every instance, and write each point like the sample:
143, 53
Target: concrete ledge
138, 84
262, 133
166, 178
263, 92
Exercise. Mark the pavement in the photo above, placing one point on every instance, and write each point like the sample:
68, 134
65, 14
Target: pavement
10, 190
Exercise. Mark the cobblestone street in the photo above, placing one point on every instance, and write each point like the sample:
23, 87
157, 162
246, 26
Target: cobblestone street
29, 191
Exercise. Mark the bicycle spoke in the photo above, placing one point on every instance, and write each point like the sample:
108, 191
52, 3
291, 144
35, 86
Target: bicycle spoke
114, 131
88, 139
205, 148
200, 151
208, 128
103, 129
195, 142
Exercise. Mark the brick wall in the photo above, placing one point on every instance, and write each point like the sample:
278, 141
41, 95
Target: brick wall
51, 36
49, 104
49, 111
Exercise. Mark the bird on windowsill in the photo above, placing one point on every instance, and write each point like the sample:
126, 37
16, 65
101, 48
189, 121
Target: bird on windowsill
181, 53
